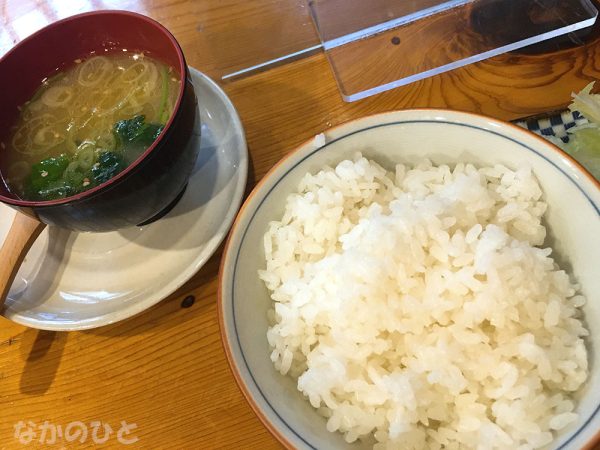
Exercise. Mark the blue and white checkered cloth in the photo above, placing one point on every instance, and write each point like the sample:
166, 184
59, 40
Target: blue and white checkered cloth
555, 125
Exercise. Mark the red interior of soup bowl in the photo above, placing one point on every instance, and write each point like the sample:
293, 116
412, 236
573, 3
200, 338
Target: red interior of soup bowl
57, 46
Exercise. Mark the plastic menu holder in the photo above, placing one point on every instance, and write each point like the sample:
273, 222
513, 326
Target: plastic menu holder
377, 45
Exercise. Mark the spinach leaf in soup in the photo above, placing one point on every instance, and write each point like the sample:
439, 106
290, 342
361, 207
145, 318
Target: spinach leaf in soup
107, 166
43, 180
66, 175
60, 177
136, 130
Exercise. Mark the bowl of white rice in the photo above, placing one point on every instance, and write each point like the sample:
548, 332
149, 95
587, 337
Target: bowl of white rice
422, 279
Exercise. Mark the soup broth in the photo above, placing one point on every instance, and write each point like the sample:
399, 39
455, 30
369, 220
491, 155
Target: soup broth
86, 124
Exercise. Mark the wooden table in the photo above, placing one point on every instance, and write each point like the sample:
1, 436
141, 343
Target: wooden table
164, 370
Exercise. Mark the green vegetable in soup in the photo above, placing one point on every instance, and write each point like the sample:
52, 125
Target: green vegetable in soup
163, 114
55, 178
49, 169
63, 176
57, 146
137, 131
134, 136
75, 176
51, 179
86, 154
55, 189
108, 165
43, 176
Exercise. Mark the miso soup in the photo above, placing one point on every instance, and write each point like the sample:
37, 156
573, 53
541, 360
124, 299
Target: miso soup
86, 124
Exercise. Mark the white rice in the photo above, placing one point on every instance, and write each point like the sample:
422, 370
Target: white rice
418, 309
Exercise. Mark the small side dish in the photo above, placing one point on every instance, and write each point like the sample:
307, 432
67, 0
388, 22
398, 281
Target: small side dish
422, 308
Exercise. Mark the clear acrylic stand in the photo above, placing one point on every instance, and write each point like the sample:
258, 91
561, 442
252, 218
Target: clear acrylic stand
377, 45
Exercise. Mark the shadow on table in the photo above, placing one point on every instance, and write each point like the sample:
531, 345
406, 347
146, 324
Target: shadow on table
42, 351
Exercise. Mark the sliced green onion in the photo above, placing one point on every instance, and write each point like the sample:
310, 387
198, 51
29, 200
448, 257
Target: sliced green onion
163, 114
86, 155
72, 167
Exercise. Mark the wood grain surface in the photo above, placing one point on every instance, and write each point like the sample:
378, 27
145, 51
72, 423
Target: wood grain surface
165, 369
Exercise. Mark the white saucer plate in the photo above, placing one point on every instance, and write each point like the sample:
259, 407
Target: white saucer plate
75, 281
